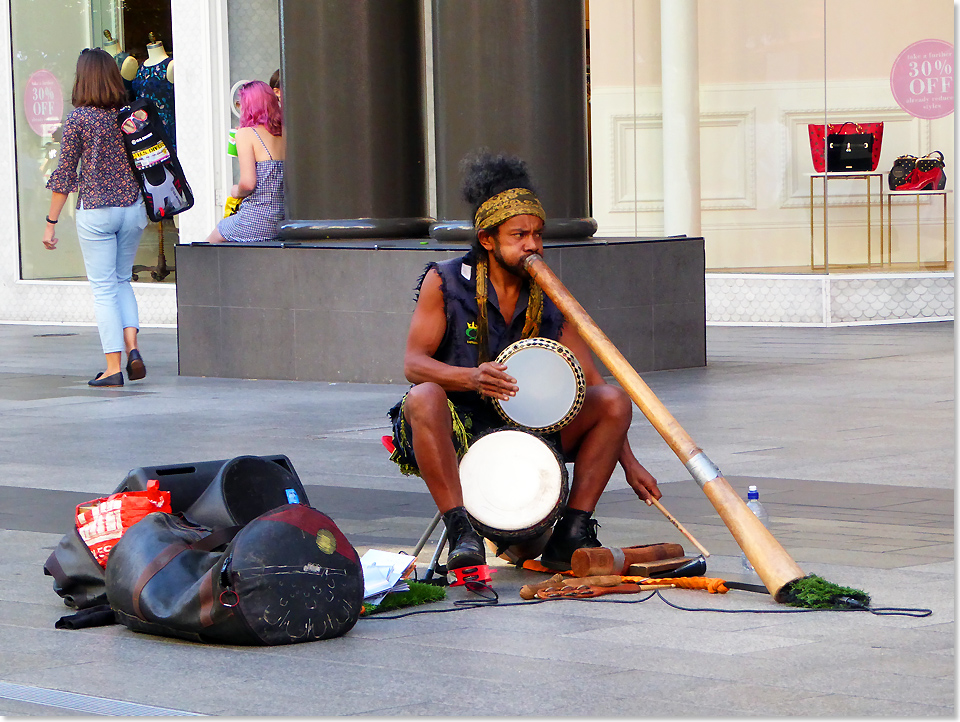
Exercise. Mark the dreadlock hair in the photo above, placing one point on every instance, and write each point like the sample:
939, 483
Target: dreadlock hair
485, 175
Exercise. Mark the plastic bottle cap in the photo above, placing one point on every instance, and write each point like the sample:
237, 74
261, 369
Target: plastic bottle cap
752, 492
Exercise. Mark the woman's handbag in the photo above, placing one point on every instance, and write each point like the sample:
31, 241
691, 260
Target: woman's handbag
901, 169
848, 148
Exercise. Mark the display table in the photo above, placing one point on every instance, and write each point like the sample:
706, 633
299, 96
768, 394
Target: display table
918, 195
852, 175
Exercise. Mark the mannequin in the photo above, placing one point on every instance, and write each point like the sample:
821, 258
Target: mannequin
125, 61
156, 54
154, 82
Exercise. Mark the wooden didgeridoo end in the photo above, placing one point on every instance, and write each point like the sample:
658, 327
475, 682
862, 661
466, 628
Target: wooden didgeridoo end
773, 565
589, 562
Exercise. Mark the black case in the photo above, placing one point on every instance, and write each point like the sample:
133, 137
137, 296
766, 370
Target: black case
162, 183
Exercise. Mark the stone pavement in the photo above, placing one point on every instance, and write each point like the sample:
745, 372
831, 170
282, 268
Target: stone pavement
848, 432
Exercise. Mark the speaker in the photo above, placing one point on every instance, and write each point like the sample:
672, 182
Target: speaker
243, 489
187, 482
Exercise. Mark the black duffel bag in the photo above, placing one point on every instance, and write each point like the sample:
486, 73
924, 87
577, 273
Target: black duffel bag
290, 575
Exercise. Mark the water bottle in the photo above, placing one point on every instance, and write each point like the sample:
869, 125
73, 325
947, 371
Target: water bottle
754, 505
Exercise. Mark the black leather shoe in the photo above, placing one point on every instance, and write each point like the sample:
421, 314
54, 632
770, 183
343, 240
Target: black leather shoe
136, 369
112, 380
466, 546
575, 530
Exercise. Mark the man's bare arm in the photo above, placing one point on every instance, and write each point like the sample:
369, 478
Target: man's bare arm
427, 328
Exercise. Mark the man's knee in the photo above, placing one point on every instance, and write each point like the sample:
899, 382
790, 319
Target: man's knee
612, 403
426, 402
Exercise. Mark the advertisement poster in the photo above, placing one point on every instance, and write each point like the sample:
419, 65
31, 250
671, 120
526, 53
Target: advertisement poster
922, 79
43, 103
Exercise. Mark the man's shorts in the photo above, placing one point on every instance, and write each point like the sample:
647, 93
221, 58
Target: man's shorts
470, 421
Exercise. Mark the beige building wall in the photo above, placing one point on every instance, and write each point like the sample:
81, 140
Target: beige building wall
767, 69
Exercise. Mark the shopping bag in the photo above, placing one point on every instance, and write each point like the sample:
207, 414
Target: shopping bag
101, 522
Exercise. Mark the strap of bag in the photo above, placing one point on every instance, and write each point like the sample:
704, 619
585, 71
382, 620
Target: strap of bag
928, 155
839, 131
208, 543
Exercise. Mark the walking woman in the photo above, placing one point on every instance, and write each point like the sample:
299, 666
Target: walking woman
110, 212
261, 148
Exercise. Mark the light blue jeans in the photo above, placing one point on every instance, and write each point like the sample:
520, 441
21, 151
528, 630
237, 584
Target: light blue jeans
109, 238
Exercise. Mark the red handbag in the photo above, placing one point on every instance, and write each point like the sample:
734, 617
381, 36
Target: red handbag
817, 136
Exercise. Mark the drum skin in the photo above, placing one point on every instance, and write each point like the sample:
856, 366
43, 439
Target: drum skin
514, 485
551, 385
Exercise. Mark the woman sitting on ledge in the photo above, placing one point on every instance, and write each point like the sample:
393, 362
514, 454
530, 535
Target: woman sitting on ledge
261, 148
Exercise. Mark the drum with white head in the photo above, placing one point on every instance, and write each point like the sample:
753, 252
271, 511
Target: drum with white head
514, 485
550, 384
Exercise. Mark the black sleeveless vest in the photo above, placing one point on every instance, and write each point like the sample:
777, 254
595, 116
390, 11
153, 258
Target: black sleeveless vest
459, 286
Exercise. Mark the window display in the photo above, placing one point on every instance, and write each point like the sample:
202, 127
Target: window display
44, 59
770, 73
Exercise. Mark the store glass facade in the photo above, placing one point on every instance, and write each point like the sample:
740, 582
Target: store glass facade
47, 37
767, 70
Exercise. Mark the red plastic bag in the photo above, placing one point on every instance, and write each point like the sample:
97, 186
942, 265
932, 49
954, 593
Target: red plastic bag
817, 132
103, 521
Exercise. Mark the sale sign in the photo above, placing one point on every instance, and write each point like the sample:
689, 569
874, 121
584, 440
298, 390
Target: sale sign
922, 79
43, 102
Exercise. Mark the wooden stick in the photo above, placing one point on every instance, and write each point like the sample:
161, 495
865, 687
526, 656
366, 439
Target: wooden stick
774, 566
679, 526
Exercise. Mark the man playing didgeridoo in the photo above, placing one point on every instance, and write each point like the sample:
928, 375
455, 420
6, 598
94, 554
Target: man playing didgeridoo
468, 310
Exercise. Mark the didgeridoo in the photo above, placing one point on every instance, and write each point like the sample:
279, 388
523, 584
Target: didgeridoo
774, 566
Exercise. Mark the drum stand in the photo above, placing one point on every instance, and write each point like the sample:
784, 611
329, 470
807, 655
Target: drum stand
433, 568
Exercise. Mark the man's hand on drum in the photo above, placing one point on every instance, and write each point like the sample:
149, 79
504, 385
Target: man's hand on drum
642, 482
491, 379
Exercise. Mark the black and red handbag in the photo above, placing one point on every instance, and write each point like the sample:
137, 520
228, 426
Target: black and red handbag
849, 146
163, 184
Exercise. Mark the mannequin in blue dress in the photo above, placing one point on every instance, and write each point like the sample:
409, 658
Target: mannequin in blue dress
154, 82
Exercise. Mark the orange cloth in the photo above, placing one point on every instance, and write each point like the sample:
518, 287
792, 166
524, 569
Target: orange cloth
534, 566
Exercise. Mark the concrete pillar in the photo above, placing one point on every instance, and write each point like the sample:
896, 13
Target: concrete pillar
510, 75
353, 109
681, 117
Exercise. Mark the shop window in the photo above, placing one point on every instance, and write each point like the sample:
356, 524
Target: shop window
47, 37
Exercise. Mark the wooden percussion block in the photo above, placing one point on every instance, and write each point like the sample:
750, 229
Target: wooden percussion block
645, 569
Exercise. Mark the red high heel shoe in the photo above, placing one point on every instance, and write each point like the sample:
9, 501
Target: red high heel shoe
919, 180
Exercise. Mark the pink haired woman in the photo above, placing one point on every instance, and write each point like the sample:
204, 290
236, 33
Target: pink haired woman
261, 149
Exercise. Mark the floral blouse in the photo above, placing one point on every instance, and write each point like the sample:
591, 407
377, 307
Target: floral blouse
91, 138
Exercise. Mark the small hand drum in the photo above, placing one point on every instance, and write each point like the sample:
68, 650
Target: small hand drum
514, 485
550, 382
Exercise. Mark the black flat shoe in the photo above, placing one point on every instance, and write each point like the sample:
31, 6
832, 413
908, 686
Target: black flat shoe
101, 380
135, 367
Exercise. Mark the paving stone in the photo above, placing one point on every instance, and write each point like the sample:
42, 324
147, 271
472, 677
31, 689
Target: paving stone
848, 433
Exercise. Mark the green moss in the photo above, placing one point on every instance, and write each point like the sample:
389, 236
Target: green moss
815, 592
419, 593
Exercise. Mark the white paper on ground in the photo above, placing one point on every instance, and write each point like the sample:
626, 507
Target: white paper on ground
383, 570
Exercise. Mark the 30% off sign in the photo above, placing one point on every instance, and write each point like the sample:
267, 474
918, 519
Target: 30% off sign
922, 79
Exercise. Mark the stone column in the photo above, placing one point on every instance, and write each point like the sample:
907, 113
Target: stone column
353, 108
681, 117
510, 75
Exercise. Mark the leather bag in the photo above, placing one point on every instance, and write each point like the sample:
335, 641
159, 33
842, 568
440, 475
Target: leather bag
817, 143
900, 170
849, 152
288, 576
